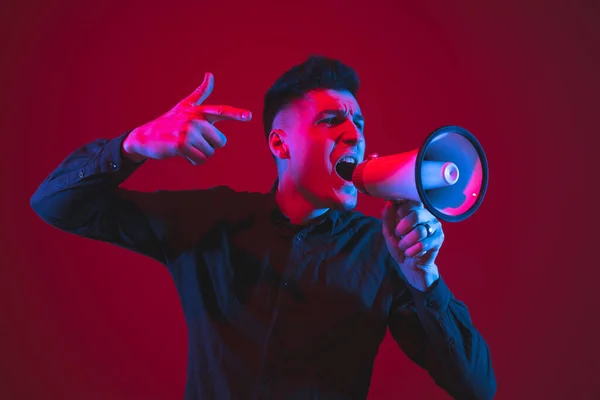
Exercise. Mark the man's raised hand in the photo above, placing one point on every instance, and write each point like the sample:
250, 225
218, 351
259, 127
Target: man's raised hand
187, 130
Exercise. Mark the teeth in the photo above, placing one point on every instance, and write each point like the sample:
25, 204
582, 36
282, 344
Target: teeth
348, 159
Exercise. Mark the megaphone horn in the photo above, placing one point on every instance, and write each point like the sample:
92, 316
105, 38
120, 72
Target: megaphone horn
448, 174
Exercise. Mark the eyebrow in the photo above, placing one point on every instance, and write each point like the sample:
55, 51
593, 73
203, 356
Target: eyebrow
323, 113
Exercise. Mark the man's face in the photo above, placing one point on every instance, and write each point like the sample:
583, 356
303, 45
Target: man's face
319, 131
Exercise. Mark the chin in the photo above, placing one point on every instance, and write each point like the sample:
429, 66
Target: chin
348, 205
346, 200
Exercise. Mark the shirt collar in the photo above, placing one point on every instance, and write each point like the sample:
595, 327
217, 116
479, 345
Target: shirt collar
331, 217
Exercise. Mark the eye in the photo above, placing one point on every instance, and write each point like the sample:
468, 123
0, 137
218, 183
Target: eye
330, 120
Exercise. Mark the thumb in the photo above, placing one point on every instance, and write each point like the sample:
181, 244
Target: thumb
202, 92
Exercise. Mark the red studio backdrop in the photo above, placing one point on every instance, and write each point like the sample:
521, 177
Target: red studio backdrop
78, 322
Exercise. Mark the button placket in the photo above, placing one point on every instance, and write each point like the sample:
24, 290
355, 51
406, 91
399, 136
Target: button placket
297, 247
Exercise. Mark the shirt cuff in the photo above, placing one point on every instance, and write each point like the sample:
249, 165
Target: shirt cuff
112, 161
436, 298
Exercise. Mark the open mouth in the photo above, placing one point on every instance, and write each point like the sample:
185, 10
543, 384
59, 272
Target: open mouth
345, 167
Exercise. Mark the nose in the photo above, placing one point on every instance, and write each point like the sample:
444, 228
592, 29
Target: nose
353, 136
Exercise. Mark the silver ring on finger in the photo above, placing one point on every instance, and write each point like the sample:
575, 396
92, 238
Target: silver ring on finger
428, 229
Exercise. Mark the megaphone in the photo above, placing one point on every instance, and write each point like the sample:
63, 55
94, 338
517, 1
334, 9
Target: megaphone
448, 174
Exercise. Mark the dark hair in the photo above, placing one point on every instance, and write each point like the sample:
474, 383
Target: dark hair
318, 72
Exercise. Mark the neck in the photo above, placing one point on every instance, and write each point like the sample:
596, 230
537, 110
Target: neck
295, 206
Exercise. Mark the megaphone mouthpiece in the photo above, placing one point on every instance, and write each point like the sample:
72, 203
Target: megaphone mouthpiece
437, 174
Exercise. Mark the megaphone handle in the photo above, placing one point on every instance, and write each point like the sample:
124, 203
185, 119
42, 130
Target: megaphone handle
397, 203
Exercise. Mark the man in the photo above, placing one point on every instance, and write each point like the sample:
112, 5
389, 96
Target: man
286, 294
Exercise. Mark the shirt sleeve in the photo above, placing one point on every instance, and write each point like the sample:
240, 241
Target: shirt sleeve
82, 196
435, 331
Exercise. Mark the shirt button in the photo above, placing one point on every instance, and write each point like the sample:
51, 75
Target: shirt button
298, 238
80, 174
451, 341
113, 165
286, 283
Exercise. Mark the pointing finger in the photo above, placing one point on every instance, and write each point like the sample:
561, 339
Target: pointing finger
219, 113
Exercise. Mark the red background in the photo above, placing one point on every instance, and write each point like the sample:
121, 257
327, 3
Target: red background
78, 323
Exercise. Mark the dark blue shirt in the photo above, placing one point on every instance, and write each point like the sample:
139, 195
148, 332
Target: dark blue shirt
273, 310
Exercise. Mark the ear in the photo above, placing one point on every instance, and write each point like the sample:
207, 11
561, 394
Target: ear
277, 144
